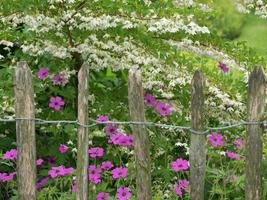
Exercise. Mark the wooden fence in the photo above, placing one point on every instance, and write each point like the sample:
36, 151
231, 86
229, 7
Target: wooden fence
25, 130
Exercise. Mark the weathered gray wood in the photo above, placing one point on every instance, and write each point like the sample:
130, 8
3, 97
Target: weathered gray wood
256, 104
25, 131
197, 154
82, 155
141, 139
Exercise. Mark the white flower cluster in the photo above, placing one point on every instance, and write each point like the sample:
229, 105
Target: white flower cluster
258, 6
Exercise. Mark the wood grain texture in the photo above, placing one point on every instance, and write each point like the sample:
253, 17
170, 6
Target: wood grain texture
197, 154
82, 154
25, 132
256, 104
141, 138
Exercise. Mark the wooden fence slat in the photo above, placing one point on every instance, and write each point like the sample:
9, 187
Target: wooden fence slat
197, 154
141, 139
256, 104
25, 132
82, 154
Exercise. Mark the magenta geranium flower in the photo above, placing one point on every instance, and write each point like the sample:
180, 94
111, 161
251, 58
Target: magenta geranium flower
119, 172
56, 103
102, 118
150, 100
96, 152
180, 186
123, 193
102, 196
110, 129
60, 79
63, 148
42, 181
223, 67
60, 171
10, 155
39, 162
94, 174
238, 143
5, 177
107, 165
120, 138
43, 73
164, 108
180, 164
216, 139
232, 155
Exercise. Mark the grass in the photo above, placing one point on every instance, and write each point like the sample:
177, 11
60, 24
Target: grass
255, 33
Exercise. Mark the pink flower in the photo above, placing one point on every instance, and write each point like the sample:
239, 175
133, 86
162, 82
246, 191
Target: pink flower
5, 177
120, 138
123, 193
180, 164
119, 172
63, 148
150, 100
94, 174
233, 155
41, 182
234, 178
102, 118
60, 79
110, 129
39, 162
223, 67
102, 196
107, 165
216, 139
10, 155
43, 73
182, 184
96, 152
238, 143
60, 171
56, 103
164, 108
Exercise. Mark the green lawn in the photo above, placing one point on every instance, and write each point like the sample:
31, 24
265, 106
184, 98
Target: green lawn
255, 33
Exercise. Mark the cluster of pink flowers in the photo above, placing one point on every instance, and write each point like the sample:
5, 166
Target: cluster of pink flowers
180, 164
10, 155
180, 186
123, 193
60, 78
216, 139
5, 177
60, 171
96, 152
116, 137
94, 174
162, 107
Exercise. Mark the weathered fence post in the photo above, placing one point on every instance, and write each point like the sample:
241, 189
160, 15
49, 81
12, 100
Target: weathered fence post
197, 154
25, 131
82, 154
141, 139
256, 103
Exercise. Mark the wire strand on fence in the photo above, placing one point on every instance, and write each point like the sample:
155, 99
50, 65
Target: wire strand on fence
96, 123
